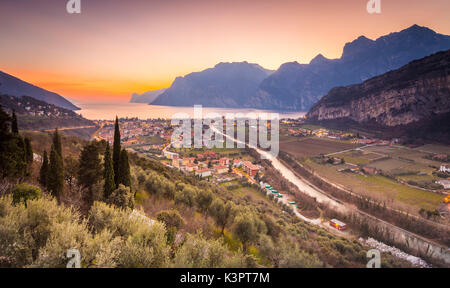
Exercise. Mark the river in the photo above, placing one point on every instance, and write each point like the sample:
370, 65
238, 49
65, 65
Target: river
290, 176
417, 243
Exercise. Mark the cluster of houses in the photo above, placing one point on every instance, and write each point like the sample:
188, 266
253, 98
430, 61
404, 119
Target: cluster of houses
325, 133
132, 129
321, 133
365, 170
368, 141
446, 169
292, 122
299, 132
29, 106
209, 164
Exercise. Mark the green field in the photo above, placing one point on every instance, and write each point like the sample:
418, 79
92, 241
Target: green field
402, 193
312, 146
379, 187
358, 157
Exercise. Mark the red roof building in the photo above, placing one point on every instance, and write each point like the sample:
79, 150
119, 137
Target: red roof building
250, 168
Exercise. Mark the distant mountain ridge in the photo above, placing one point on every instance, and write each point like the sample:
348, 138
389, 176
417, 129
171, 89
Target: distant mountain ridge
225, 85
297, 86
413, 100
13, 86
147, 97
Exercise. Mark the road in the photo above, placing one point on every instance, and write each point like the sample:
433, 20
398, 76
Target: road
66, 128
301, 184
349, 150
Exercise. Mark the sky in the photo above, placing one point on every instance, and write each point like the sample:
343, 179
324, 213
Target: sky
115, 47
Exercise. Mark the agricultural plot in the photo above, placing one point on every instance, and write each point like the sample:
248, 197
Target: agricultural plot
407, 164
359, 157
379, 187
392, 165
307, 147
434, 148
402, 193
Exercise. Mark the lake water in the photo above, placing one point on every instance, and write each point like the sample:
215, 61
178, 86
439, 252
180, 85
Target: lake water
109, 110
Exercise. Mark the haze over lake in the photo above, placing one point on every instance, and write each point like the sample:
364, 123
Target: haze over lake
109, 110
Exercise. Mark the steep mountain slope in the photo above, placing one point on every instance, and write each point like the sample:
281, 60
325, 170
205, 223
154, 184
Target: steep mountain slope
412, 97
147, 97
225, 85
297, 86
34, 114
10, 85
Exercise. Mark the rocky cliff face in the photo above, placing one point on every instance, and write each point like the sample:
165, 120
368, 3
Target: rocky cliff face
419, 91
298, 86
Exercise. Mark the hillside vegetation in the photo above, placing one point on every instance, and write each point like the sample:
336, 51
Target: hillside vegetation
121, 210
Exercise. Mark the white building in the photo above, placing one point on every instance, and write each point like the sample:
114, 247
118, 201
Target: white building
445, 168
444, 183
203, 172
170, 155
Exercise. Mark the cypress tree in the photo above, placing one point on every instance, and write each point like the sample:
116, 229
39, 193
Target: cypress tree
20, 157
14, 126
116, 152
89, 170
4, 123
12, 147
108, 174
124, 169
43, 173
56, 174
57, 143
5, 141
55, 180
28, 151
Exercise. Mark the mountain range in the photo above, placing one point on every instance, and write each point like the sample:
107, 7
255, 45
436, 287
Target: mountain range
414, 99
147, 97
297, 86
12, 86
225, 85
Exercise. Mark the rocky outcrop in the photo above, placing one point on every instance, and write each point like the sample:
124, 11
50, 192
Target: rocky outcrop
417, 91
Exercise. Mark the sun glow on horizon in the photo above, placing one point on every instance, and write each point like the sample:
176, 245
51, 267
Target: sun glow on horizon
112, 49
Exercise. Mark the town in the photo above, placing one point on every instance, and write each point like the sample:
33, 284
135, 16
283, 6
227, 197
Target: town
153, 138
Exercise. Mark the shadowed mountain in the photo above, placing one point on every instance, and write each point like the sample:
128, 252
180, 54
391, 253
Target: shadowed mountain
225, 85
297, 86
10, 85
411, 102
147, 97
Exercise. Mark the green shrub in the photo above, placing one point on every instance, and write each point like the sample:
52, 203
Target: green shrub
24, 192
198, 252
122, 197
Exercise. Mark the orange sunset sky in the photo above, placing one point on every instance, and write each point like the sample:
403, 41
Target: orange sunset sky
114, 48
